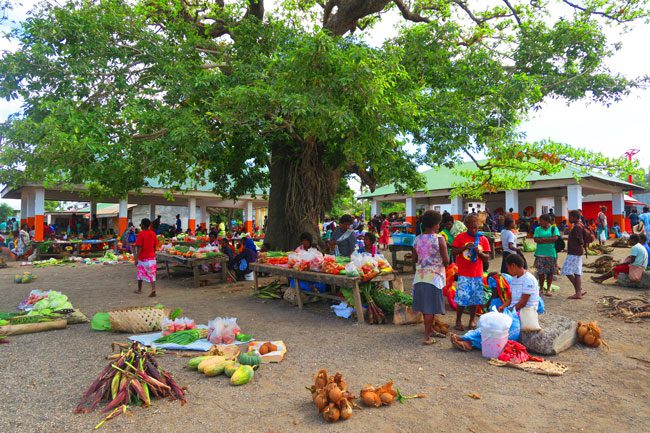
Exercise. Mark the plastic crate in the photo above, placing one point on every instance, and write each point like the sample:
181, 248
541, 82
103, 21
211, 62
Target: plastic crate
403, 239
309, 286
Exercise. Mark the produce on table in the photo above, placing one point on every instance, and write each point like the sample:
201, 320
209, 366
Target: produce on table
249, 358
242, 375
204, 252
273, 258
590, 334
331, 396
243, 337
133, 379
183, 338
516, 353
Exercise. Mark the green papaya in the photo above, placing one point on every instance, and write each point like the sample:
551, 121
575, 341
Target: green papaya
230, 369
242, 375
215, 369
207, 362
193, 364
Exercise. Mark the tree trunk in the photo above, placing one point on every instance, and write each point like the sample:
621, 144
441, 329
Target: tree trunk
302, 189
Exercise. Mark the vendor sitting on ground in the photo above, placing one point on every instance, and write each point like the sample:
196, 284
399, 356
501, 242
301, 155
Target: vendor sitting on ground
343, 241
524, 290
638, 257
306, 243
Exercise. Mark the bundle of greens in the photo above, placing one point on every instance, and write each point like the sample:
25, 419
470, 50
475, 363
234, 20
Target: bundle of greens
183, 338
387, 298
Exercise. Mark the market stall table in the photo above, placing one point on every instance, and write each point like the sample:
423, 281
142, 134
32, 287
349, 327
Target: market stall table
76, 247
319, 277
393, 254
195, 265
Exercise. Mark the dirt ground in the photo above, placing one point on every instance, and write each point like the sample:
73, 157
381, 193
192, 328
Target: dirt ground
43, 375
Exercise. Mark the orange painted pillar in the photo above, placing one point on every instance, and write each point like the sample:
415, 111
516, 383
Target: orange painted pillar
248, 219
191, 223
24, 197
39, 213
30, 209
123, 217
410, 214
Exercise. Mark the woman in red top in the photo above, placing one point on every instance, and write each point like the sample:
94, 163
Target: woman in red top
146, 243
471, 251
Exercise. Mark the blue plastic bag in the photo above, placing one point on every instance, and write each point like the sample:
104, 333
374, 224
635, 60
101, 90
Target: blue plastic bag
243, 265
540, 306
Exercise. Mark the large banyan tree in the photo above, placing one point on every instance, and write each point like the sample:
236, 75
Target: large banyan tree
292, 97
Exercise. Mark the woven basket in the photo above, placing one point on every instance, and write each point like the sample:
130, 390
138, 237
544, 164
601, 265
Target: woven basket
137, 319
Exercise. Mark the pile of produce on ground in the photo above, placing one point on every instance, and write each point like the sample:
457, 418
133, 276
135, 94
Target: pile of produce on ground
45, 303
109, 258
334, 402
633, 309
132, 319
133, 379
206, 252
620, 243
183, 338
26, 277
240, 369
590, 334
601, 265
270, 291
331, 396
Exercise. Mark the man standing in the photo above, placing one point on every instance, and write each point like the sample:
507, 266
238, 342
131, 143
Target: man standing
645, 218
634, 218
578, 239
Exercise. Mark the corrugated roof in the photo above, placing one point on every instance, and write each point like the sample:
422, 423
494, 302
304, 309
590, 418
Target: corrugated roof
442, 178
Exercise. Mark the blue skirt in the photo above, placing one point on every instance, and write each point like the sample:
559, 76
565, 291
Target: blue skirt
427, 299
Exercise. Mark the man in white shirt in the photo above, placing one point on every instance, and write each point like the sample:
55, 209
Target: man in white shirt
524, 289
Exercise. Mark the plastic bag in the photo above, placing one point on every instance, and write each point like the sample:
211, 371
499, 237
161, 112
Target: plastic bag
474, 335
529, 320
342, 310
223, 330
351, 270
602, 237
458, 228
495, 321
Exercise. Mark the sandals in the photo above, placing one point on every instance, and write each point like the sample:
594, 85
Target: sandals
429, 342
456, 342
152, 294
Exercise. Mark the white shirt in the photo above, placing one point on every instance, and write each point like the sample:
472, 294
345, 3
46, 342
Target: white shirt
507, 238
525, 285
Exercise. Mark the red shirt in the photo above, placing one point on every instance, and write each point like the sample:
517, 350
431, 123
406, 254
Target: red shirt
467, 268
147, 241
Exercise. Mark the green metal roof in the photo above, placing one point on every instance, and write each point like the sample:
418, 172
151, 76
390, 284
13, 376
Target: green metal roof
208, 187
442, 178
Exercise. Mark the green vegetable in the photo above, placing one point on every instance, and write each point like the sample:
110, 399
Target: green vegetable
244, 337
249, 358
182, 338
101, 322
230, 369
3, 322
217, 368
193, 364
242, 375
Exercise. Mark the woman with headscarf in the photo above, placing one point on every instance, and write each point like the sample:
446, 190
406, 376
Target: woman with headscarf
242, 260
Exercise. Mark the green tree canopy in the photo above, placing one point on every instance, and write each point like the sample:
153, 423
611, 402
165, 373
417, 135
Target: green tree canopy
6, 212
118, 91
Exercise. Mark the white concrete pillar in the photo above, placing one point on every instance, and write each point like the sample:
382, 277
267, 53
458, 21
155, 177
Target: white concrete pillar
374, 208
574, 197
411, 213
457, 207
248, 217
512, 202
39, 212
24, 198
618, 211
564, 212
31, 204
191, 203
123, 216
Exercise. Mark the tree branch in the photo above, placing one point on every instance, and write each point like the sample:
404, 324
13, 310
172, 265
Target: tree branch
514, 12
408, 14
603, 14
367, 177
152, 136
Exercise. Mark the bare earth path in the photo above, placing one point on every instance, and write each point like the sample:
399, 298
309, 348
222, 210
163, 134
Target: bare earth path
43, 375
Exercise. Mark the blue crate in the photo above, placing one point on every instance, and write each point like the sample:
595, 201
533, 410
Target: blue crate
404, 239
309, 286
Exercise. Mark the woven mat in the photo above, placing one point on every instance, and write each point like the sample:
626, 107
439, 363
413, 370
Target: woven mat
547, 368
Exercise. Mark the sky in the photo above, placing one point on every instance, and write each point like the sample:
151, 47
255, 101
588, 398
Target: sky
610, 130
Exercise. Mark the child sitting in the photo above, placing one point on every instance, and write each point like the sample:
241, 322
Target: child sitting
369, 244
523, 285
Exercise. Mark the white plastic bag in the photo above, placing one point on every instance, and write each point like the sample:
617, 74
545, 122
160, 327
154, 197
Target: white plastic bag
602, 237
494, 322
351, 270
529, 319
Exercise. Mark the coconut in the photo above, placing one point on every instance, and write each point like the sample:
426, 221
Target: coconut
589, 339
582, 330
386, 398
334, 394
321, 402
346, 410
370, 398
331, 413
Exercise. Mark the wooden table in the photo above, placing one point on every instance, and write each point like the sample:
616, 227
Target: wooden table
195, 265
393, 254
76, 245
320, 277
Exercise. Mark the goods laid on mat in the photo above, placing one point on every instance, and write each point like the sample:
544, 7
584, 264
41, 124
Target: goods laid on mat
134, 379
41, 311
601, 265
24, 278
109, 258
269, 351
590, 334
516, 353
632, 310
546, 367
131, 319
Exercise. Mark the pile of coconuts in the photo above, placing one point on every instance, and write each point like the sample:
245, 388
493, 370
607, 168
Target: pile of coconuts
590, 334
331, 396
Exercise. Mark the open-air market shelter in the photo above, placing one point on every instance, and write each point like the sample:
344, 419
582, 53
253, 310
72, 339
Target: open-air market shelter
32, 198
564, 191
